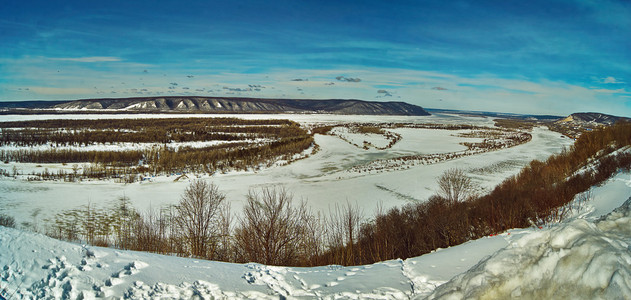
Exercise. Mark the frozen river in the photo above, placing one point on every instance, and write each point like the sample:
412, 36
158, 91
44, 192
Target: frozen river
322, 179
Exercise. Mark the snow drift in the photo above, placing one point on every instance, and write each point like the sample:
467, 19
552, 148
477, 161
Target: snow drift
578, 260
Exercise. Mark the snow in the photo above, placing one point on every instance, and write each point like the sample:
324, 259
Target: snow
127, 146
577, 260
324, 179
586, 257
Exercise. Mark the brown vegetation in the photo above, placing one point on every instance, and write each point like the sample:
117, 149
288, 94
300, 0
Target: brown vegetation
198, 215
528, 198
7, 221
274, 231
282, 139
516, 124
454, 186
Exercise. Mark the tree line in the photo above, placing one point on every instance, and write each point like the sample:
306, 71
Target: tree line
282, 139
88, 132
273, 229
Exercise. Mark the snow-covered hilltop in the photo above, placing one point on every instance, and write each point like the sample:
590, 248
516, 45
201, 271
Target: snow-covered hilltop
584, 257
226, 105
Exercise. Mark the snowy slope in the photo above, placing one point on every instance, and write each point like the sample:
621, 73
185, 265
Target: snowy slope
577, 260
585, 257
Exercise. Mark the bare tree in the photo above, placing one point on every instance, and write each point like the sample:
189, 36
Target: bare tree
225, 248
198, 217
123, 219
343, 233
454, 185
313, 239
271, 229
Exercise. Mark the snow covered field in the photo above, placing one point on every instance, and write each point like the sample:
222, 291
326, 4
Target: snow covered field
130, 146
322, 179
584, 257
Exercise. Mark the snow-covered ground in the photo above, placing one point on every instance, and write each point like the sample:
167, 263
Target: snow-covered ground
585, 257
131, 146
582, 257
323, 179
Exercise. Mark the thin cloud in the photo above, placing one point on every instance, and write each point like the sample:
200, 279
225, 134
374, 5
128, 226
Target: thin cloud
89, 59
250, 88
235, 89
385, 93
348, 79
610, 79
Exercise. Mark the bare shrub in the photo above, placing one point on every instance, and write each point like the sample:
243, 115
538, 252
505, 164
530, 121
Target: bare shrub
454, 185
312, 240
272, 229
124, 216
198, 215
343, 227
7, 221
225, 249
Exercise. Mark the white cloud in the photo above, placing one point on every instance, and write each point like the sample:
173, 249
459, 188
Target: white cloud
484, 92
609, 91
611, 79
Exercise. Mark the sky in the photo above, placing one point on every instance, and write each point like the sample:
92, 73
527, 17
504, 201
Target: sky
533, 57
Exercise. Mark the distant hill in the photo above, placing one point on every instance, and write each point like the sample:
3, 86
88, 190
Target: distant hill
542, 118
575, 124
591, 118
225, 105
29, 104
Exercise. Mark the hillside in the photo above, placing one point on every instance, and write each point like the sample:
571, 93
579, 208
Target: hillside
594, 119
227, 105
577, 123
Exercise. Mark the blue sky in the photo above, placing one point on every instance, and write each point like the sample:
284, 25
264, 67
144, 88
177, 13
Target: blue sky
544, 57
